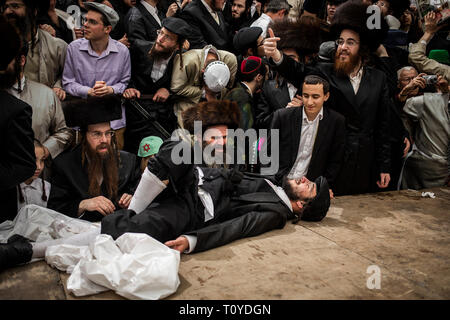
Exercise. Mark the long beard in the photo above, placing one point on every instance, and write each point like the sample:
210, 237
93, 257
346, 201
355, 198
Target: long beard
102, 165
344, 68
21, 23
159, 55
215, 159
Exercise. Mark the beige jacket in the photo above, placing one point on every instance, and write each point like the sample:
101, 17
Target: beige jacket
48, 122
187, 82
49, 62
418, 58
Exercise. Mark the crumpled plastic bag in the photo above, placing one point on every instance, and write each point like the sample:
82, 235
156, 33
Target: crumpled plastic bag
65, 257
135, 266
41, 224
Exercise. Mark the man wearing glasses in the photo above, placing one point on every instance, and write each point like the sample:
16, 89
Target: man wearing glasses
358, 92
94, 179
97, 65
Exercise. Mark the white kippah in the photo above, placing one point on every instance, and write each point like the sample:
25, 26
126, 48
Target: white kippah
216, 76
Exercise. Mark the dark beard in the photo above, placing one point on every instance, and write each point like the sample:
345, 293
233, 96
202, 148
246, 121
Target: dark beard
159, 55
21, 23
345, 68
210, 158
105, 166
10, 77
287, 187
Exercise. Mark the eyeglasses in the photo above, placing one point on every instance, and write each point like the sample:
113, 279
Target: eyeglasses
348, 42
12, 6
261, 43
97, 135
163, 35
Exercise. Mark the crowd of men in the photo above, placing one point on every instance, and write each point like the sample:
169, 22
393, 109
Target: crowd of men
357, 108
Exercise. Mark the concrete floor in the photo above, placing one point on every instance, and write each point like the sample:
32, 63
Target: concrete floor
402, 233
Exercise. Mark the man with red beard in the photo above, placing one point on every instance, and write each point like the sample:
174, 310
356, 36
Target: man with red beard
358, 92
95, 178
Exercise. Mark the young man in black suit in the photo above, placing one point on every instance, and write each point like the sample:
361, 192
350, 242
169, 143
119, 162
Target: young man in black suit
312, 138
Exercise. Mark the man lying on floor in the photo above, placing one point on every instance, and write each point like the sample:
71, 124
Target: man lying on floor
201, 208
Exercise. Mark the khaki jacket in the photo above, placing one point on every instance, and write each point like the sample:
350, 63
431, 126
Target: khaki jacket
187, 82
48, 122
52, 55
418, 58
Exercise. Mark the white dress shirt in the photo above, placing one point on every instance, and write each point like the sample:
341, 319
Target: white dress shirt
307, 139
152, 10
356, 80
292, 90
159, 67
32, 193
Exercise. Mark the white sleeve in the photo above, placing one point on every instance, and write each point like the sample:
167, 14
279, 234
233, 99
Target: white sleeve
149, 187
192, 243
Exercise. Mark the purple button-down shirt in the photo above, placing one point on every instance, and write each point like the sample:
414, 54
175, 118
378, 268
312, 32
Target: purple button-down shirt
83, 67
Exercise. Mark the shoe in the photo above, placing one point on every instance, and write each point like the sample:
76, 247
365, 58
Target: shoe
18, 250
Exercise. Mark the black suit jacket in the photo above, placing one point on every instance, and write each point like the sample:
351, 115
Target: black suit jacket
244, 206
273, 97
141, 30
70, 183
18, 160
328, 150
205, 29
367, 148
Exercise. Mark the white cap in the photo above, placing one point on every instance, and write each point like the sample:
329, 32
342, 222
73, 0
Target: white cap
216, 76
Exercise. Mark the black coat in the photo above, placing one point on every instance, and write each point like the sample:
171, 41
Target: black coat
367, 148
141, 30
138, 127
70, 183
328, 150
245, 208
273, 97
205, 29
18, 160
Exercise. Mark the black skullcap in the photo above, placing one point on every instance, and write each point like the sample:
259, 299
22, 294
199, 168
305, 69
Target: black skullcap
246, 38
317, 209
177, 26
93, 110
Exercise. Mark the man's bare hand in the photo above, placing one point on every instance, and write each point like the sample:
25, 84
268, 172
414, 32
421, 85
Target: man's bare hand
100, 89
441, 84
431, 20
384, 180
131, 93
161, 95
172, 10
331, 194
60, 93
296, 102
100, 204
125, 200
270, 46
124, 41
180, 244
407, 146
48, 28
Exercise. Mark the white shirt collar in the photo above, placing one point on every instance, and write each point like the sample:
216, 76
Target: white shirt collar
211, 11
248, 88
319, 115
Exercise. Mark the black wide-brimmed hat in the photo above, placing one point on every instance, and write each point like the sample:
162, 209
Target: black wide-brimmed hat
317, 208
93, 110
177, 26
354, 15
